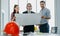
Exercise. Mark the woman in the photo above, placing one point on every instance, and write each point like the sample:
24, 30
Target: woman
16, 11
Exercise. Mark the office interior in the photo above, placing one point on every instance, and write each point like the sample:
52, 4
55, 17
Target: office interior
7, 8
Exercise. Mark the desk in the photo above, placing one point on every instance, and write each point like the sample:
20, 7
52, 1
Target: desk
40, 34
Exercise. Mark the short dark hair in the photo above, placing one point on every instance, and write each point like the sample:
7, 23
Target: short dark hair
42, 1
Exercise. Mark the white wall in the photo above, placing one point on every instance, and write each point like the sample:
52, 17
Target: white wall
50, 6
22, 5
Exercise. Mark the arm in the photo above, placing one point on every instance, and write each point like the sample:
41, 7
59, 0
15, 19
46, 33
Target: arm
47, 15
12, 17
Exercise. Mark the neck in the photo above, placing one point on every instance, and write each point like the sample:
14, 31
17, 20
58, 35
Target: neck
16, 11
43, 8
28, 10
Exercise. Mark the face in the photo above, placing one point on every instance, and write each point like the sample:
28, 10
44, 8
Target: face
42, 4
29, 7
17, 8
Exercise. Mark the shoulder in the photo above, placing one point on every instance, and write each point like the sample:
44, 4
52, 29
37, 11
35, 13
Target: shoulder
47, 10
12, 13
32, 12
25, 12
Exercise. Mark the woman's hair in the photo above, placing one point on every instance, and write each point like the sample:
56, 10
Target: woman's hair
14, 9
29, 4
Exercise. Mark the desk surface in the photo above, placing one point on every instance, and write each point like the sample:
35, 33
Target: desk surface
41, 34
38, 34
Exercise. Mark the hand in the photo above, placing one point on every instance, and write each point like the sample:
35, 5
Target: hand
43, 17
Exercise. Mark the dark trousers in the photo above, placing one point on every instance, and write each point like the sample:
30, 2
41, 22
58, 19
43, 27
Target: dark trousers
28, 28
44, 28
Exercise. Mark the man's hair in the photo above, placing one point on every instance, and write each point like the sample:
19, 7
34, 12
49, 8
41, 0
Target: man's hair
29, 4
42, 1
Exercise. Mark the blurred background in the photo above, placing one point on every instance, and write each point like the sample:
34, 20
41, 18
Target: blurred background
8, 5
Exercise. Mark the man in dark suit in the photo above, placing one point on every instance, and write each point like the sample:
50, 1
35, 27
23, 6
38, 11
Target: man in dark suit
28, 28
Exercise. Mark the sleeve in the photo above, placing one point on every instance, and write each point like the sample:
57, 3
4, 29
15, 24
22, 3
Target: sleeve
11, 16
48, 13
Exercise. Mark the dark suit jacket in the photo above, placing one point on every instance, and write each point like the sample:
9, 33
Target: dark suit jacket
26, 12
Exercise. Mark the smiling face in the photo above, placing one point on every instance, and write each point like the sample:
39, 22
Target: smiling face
29, 6
42, 4
17, 8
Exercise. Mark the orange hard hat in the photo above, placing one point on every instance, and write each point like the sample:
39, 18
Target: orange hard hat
12, 28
